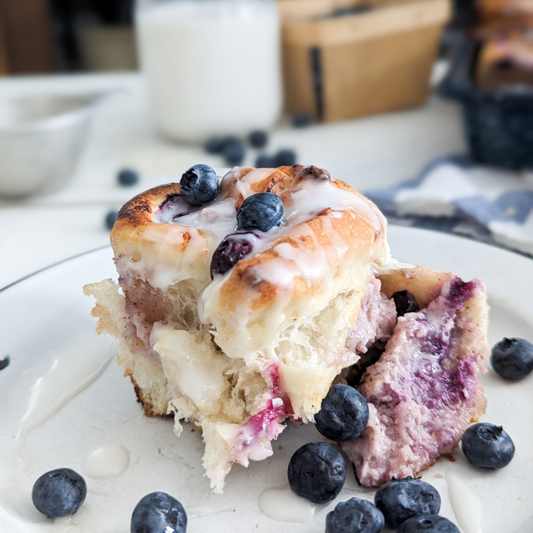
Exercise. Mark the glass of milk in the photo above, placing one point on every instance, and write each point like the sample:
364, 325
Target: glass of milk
212, 66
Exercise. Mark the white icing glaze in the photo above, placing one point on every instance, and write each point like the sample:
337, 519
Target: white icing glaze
466, 504
283, 505
106, 461
73, 369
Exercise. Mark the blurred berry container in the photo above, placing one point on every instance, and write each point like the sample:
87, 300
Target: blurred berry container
350, 62
498, 122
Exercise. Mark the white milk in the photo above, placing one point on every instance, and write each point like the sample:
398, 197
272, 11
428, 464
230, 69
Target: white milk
212, 66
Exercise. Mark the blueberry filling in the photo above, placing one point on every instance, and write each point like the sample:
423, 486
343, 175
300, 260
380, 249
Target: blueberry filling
405, 302
173, 208
230, 250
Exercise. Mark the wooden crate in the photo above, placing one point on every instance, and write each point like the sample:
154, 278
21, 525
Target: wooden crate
338, 68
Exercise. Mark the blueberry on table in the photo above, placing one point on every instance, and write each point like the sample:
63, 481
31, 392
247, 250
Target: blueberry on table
317, 472
285, 158
110, 219
230, 250
401, 499
265, 161
512, 359
258, 138
233, 151
405, 302
262, 211
487, 446
4, 362
60, 492
158, 512
343, 414
428, 524
214, 145
128, 177
355, 515
301, 120
199, 185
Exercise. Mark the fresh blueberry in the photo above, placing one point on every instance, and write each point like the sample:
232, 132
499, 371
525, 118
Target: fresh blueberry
199, 185
159, 512
301, 120
317, 472
343, 414
265, 161
230, 250
4, 363
128, 177
487, 446
59, 492
285, 158
355, 515
432, 523
401, 499
258, 138
110, 219
233, 151
405, 302
512, 358
262, 211
214, 145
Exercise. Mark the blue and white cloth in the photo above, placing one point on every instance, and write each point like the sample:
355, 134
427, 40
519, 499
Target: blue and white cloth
455, 195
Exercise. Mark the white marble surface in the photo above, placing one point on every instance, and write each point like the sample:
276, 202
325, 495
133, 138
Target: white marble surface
37, 232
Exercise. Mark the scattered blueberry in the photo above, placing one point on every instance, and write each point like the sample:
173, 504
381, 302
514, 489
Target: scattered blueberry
110, 219
258, 138
301, 120
285, 158
262, 211
199, 185
233, 151
401, 499
432, 523
159, 512
230, 250
128, 177
214, 145
487, 446
512, 358
59, 492
405, 302
4, 362
265, 161
355, 515
343, 414
317, 472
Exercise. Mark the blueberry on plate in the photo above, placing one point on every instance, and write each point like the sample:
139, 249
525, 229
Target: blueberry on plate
258, 138
343, 414
230, 250
128, 177
158, 512
512, 358
233, 151
432, 523
355, 515
487, 446
199, 185
285, 158
262, 211
110, 219
60, 492
401, 499
405, 302
214, 145
265, 161
317, 472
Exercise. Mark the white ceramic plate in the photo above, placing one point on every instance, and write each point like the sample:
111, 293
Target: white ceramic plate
47, 317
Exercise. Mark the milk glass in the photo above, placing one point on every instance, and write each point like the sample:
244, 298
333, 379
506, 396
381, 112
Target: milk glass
212, 66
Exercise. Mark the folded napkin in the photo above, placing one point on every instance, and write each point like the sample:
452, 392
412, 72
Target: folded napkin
455, 195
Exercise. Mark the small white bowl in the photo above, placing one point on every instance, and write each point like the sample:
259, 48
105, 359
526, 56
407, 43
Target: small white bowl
41, 141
